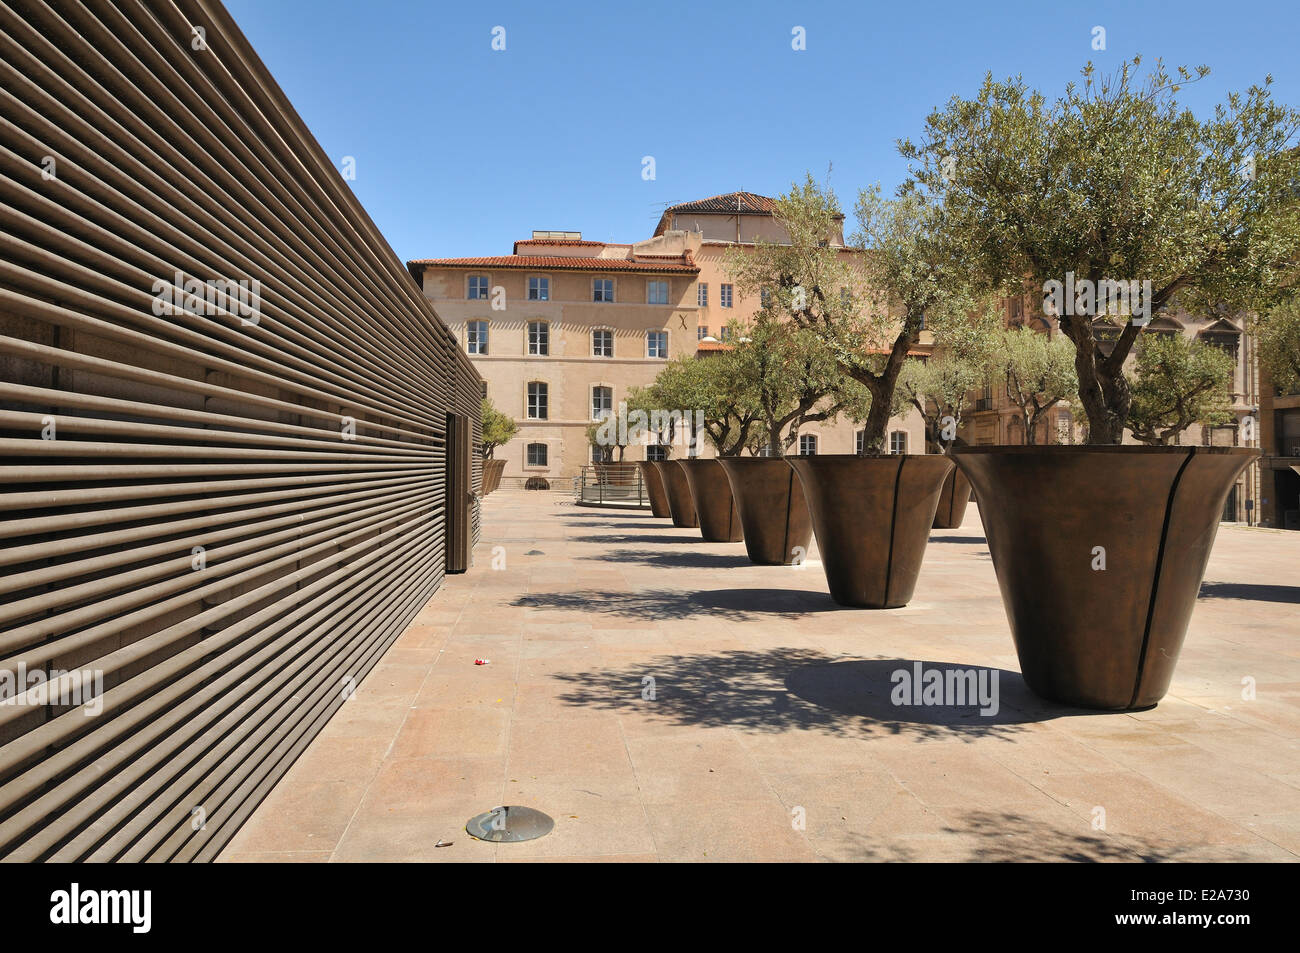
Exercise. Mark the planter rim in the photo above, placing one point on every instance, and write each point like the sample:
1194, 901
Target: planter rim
1063, 451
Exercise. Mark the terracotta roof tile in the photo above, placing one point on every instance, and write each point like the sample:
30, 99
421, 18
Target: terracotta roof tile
744, 202
558, 263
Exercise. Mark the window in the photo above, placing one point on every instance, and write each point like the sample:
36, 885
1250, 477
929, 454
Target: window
725, 295
483, 387
765, 297
602, 289
602, 402
537, 455
539, 338
537, 400
656, 292
478, 287
859, 439
766, 451
701, 333
602, 342
898, 441
726, 334
702, 294
654, 452
476, 337
656, 344
808, 445
539, 289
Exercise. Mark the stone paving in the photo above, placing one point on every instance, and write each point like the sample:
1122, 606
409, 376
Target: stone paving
771, 735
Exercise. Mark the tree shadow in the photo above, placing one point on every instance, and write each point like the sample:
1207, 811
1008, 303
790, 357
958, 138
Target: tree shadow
674, 559
613, 538
1250, 591
1001, 837
972, 540
786, 689
662, 605
659, 524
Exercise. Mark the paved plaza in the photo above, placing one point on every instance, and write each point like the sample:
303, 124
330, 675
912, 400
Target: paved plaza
663, 699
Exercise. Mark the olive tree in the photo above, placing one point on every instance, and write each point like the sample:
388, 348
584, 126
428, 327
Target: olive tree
1038, 372
1117, 192
1278, 338
498, 429
713, 388
1175, 383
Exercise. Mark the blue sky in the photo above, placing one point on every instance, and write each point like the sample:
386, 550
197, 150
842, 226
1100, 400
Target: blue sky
461, 150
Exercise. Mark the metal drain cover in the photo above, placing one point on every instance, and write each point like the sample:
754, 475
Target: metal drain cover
510, 824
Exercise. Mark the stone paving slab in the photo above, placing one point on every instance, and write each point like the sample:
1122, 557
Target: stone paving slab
771, 735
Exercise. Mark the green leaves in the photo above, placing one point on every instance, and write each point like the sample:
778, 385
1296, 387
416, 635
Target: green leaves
1278, 339
1178, 382
498, 429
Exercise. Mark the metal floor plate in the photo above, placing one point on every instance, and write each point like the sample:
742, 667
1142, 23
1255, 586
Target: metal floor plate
510, 824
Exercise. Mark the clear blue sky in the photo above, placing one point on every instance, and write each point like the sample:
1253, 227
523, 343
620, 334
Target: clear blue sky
461, 150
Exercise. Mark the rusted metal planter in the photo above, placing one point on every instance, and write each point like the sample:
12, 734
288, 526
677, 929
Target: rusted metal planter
678, 491
952, 500
654, 489
714, 504
773, 514
1099, 553
872, 518
492, 470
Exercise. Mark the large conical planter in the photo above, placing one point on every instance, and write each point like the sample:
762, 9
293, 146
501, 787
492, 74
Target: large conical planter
654, 489
492, 470
772, 510
952, 500
872, 518
714, 505
678, 491
1099, 553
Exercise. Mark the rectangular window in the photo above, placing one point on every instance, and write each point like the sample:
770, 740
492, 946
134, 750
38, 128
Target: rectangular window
537, 401
656, 292
602, 342
476, 337
537, 454
602, 289
701, 333
808, 445
478, 287
656, 344
539, 338
656, 453
539, 289
725, 295
483, 387
764, 297
726, 334
702, 294
898, 441
602, 402
859, 439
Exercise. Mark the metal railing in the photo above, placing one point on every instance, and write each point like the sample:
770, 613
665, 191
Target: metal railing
613, 484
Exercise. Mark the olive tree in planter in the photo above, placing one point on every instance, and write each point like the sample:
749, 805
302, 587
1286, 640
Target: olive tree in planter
1037, 370
939, 388
1113, 202
867, 304
1176, 383
498, 430
793, 380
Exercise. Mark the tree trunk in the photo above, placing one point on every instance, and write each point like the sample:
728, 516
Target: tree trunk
1103, 391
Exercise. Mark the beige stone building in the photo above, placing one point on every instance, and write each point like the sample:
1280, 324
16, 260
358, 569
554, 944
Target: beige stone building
563, 328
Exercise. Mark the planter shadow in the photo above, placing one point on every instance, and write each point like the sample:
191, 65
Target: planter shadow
872, 518
773, 513
678, 492
1099, 554
654, 489
715, 507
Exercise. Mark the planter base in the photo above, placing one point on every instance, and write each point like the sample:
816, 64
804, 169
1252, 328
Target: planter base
714, 505
773, 513
1099, 553
872, 518
678, 491
654, 489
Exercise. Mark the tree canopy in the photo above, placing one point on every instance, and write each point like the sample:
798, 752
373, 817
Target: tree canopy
1177, 382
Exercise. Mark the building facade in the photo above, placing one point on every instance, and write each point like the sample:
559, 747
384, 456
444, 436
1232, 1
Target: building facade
563, 328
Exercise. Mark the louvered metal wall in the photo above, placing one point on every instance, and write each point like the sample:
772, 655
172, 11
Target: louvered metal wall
199, 529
